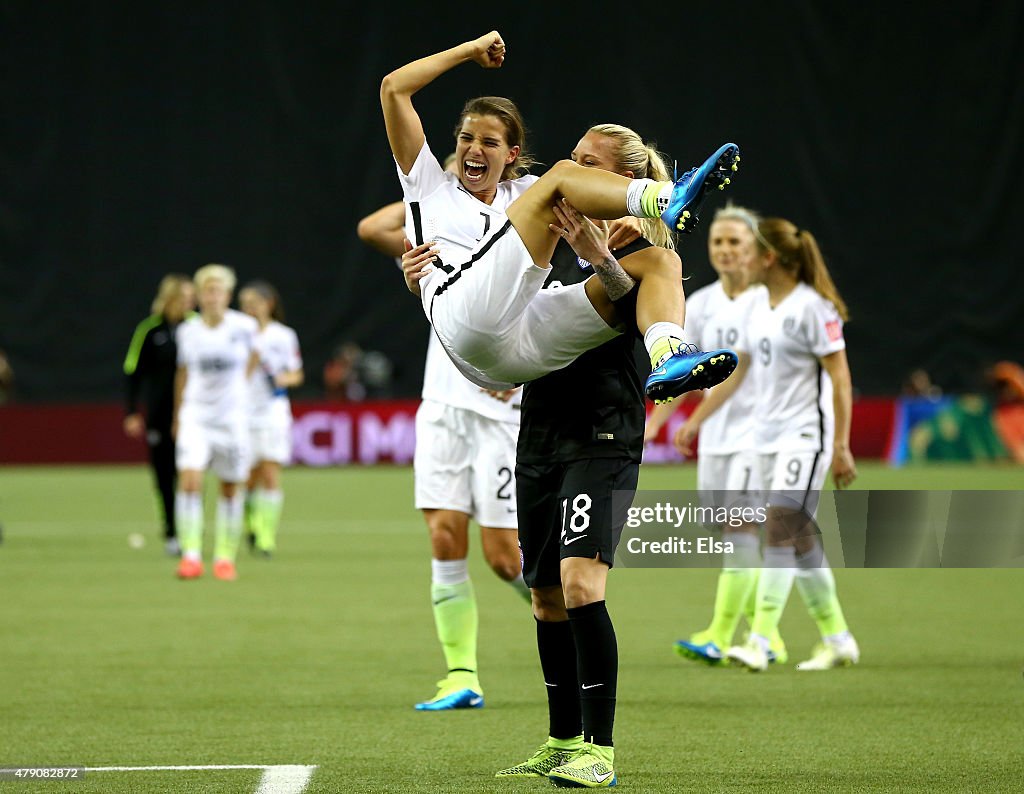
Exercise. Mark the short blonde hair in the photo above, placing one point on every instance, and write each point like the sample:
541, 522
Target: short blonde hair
169, 289
215, 272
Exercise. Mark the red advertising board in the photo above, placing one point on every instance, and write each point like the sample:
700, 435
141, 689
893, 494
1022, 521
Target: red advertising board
324, 434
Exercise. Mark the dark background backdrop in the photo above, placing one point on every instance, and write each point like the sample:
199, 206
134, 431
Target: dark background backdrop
138, 139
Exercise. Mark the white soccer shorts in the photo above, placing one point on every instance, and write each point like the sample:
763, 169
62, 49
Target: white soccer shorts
466, 462
222, 448
272, 441
498, 325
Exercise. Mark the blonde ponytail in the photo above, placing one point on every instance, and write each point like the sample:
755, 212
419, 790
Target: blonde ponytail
644, 160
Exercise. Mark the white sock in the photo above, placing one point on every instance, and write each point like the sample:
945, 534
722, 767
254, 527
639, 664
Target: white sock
746, 550
521, 589
633, 194
448, 572
655, 340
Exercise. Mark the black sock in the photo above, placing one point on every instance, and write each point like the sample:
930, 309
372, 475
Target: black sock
597, 656
557, 651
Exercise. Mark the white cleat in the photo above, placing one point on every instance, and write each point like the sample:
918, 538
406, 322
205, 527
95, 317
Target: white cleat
750, 655
829, 655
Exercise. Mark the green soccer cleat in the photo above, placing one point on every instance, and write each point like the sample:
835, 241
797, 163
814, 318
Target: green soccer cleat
590, 768
541, 762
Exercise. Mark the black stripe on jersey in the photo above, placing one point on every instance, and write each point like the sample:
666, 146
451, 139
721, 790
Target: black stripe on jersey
483, 250
417, 222
821, 437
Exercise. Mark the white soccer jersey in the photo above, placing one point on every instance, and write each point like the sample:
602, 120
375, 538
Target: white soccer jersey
794, 392
278, 349
216, 390
715, 321
443, 383
438, 208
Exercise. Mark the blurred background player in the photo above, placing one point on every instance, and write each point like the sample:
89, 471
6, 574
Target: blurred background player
216, 355
464, 466
149, 369
270, 412
727, 469
804, 401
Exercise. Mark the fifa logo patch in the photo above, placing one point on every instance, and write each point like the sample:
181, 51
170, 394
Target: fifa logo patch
834, 329
583, 263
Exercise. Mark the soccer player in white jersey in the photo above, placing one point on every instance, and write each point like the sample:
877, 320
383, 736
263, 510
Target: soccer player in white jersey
804, 402
464, 464
494, 237
727, 466
270, 412
216, 354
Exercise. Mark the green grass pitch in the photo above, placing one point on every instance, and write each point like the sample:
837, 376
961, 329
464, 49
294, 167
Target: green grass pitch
317, 656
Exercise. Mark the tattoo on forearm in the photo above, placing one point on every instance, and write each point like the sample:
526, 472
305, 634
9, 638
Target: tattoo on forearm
617, 282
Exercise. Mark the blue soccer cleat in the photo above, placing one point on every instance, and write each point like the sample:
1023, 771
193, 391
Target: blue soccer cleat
707, 652
691, 188
688, 369
452, 695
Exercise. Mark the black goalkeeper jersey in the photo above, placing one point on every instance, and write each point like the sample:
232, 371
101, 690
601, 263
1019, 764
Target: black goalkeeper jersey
594, 408
149, 369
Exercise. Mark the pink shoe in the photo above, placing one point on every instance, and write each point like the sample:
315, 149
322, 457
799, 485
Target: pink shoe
189, 568
225, 570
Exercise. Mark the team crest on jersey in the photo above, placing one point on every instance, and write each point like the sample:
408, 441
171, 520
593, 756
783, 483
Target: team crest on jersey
791, 329
583, 263
834, 329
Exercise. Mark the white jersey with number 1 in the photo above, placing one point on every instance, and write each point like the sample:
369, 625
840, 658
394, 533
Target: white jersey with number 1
715, 321
794, 392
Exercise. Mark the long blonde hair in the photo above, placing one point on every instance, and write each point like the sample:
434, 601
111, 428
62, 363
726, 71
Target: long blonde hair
644, 160
799, 255
169, 289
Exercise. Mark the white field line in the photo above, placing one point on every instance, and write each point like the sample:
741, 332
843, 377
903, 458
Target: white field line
277, 778
285, 779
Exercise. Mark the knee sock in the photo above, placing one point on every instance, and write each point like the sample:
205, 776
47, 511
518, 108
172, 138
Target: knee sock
597, 665
557, 650
229, 526
455, 615
735, 584
188, 512
817, 586
774, 584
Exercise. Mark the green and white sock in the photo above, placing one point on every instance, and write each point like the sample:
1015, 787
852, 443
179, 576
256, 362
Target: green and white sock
269, 506
773, 586
229, 526
817, 586
188, 521
662, 340
455, 613
646, 198
736, 582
